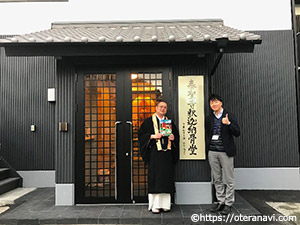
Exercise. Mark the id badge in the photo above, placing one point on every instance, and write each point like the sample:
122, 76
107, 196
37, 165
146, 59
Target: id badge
215, 137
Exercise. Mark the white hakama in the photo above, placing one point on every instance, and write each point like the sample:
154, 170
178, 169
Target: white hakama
159, 201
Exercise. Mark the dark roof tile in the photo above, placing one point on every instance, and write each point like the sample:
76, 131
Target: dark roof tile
136, 31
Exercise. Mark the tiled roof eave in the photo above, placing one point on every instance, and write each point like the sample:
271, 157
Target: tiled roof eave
139, 32
6, 42
183, 37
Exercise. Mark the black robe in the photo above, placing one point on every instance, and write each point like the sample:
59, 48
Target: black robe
161, 164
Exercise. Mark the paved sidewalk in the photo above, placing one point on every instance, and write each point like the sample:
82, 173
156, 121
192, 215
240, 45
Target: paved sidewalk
37, 207
275, 202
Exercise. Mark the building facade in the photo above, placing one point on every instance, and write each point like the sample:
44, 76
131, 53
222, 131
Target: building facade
106, 78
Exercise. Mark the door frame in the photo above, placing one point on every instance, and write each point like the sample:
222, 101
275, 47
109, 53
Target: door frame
123, 88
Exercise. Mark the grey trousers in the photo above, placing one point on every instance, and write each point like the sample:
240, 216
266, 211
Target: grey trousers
222, 167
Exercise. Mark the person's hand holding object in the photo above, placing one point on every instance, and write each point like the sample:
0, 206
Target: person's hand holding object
171, 137
156, 136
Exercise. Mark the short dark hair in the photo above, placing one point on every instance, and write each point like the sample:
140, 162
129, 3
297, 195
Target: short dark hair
213, 97
159, 101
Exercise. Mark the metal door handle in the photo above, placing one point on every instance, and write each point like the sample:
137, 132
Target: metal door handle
131, 153
116, 185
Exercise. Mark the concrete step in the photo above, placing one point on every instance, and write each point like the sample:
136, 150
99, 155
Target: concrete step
9, 184
10, 197
4, 173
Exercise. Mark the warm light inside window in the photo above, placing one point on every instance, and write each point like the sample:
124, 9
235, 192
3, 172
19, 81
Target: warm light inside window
133, 76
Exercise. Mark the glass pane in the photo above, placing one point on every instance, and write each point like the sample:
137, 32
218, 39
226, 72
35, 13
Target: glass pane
146, 90
100, 115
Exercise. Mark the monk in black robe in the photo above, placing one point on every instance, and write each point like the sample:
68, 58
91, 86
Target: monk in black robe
161, 153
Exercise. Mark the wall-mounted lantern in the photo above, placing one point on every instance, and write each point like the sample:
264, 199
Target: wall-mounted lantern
51, 94
32, 128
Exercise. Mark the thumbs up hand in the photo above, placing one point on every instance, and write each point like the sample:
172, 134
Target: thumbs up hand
225, 120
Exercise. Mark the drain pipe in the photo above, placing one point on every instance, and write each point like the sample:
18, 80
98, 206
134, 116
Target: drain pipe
221, 44
215, 66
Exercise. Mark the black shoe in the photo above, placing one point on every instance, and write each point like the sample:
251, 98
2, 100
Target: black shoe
217, 207
226, 210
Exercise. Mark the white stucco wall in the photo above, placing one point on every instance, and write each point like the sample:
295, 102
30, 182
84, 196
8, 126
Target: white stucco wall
19, 18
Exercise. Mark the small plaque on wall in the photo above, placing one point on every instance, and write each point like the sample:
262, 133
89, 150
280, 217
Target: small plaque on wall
191, 117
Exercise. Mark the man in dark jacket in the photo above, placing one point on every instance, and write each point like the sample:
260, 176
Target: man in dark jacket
220, 127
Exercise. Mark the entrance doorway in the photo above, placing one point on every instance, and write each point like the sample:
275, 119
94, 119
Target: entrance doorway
112, 104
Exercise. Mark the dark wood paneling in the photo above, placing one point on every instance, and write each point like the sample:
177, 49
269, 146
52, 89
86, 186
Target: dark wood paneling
260, 90
65, 112
23, 84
